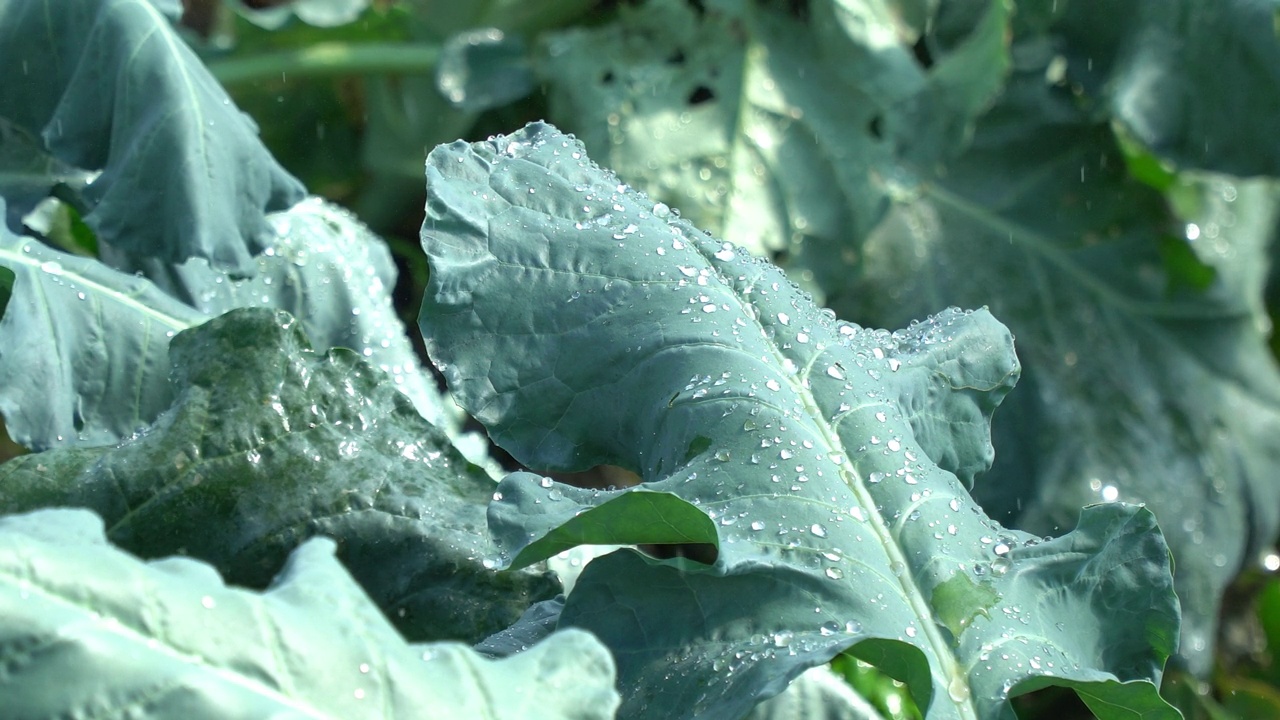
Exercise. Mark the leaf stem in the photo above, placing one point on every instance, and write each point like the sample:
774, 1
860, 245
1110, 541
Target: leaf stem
327, 59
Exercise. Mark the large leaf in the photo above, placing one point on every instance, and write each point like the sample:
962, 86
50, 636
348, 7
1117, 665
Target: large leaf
1133, 286
585, 324
86, 629
329, 271
109, 86
741, 113
83, 347
268, 443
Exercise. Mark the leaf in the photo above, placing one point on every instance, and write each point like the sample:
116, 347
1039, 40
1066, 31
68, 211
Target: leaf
109, 86
741, 113
1049, 164
329, 271
267, 444
1196, 81
321, 13
633, 336
83, 348
483, 69
87, 346
87, 629
1140, 322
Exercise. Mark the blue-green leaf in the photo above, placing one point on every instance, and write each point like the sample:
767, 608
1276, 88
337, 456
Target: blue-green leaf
86, 629
584, 323
109, 86
83, 347
268, 443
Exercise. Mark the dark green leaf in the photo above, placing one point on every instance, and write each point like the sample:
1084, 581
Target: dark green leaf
268, 444
86, 629
837, 521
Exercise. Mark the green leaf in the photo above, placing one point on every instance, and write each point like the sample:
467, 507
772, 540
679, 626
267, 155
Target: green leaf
1049, 164
483, 69
83, 348
329, 271
87, 629
836, 521
1196, 80
109, 86
71, 313
1139, 319
766, 127
267, 444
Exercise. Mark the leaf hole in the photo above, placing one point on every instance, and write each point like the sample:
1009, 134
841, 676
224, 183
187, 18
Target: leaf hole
701, 94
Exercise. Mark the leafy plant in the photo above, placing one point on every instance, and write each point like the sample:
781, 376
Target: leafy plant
1102, 179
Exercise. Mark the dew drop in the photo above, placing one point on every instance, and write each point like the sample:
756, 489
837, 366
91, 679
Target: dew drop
958, 689
818, 530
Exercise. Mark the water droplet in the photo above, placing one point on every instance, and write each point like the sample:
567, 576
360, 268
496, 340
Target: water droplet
1000, 566
545, 482
818, 530
722, 455
958, 689
911, 631
783, 638
208, 602
52, 267
835, 372
661, 211
773, 385
784, 319
757, 525
835, 573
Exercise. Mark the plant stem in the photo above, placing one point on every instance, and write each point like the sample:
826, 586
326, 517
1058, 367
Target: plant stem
329, 58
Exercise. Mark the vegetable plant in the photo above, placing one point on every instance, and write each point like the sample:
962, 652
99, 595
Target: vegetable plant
234, 489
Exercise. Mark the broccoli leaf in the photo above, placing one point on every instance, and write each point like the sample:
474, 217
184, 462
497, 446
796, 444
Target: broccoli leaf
584, 324
1085, 170
268, 443
67, 315
86, 629
110, 86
